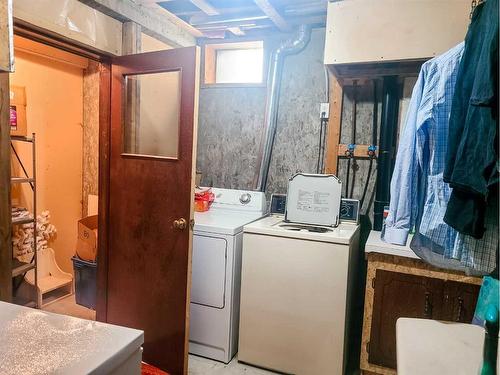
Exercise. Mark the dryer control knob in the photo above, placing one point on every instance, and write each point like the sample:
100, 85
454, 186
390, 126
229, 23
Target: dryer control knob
245, 198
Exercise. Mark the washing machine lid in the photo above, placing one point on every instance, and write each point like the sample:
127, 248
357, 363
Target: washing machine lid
313, 199
227, 222
275, 225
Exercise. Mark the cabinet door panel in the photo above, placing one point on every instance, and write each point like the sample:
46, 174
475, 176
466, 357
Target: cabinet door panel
399, 295
459, 301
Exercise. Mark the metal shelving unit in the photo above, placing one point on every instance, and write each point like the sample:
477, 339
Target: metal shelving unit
19, 269
21, 180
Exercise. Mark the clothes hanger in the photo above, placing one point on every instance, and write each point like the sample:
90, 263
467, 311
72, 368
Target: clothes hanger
473, 5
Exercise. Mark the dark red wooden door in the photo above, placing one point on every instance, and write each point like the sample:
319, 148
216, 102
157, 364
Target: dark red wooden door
153, 138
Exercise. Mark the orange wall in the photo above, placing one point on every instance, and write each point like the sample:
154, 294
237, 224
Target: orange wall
54, 95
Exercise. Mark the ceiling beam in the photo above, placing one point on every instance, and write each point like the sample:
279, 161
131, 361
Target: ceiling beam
146, 2
205, 7
225, 11
158, 23
236, 31
308, 9
225, 18
246, 25
270, 11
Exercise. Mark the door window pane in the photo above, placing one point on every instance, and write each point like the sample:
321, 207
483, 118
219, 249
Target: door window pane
152, 114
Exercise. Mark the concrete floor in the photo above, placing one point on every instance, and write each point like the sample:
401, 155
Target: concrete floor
68, 306
204, 366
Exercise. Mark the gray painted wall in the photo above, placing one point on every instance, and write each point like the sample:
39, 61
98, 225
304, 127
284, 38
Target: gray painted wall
231, 124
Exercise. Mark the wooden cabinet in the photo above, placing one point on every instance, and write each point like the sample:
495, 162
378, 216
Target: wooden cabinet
398, 287
398, 295
459, 301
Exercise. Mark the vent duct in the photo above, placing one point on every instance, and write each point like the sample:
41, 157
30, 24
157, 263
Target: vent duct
288, 47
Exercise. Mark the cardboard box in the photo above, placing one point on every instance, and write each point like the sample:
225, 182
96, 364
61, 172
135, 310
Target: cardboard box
86, 245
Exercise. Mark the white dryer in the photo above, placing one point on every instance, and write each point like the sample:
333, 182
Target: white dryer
216, 272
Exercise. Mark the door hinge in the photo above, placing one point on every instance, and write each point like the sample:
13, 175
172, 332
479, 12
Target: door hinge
368, 347
373, 283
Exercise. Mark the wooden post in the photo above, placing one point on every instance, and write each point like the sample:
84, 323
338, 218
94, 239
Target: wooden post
334, 125
6, 65
103, 186
5, 200
131, 38
6, 39
131, 44
90, 132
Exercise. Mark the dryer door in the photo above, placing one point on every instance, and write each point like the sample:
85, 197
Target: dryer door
209, 271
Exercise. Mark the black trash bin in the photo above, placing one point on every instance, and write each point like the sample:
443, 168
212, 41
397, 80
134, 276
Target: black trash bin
85, 282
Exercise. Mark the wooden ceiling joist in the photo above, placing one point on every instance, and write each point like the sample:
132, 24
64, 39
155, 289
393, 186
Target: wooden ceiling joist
147, 2
270, 11
227, 18
205, 7
158, 23
236, 31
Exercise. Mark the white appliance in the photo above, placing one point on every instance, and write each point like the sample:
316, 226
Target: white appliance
216, 272
296, 288
42, 342
314, 199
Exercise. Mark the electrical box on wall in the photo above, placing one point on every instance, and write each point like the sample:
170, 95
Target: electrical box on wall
324, 110
360, 31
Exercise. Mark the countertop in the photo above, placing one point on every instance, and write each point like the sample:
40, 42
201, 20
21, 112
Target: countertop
432, 347
375, 244
40, 342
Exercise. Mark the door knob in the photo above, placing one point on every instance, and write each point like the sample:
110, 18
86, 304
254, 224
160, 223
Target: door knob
180, 224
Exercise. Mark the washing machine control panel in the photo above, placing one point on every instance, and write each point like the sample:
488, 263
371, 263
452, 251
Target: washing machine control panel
349, 210
278, 204
232, 199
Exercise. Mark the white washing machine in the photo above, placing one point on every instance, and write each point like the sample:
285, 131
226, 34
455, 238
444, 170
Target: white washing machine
216, 272
295, 295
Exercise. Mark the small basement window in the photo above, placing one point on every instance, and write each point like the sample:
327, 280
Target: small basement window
234, 63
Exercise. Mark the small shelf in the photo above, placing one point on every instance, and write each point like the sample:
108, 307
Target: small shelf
20, 138
22, 269
22, 220
22, 180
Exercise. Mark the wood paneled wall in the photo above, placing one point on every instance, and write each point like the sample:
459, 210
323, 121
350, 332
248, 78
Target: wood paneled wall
90, 132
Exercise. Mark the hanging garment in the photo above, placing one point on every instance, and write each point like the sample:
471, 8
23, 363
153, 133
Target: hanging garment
472, 156
419, 196
417, 187
472, 252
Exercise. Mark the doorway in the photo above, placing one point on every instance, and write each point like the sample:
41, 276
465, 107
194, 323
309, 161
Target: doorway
54, 103
144, 209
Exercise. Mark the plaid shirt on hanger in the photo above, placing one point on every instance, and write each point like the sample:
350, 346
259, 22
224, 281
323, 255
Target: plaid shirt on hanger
419, 196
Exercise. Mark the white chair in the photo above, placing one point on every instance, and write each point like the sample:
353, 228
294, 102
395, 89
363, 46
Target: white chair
53, 283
